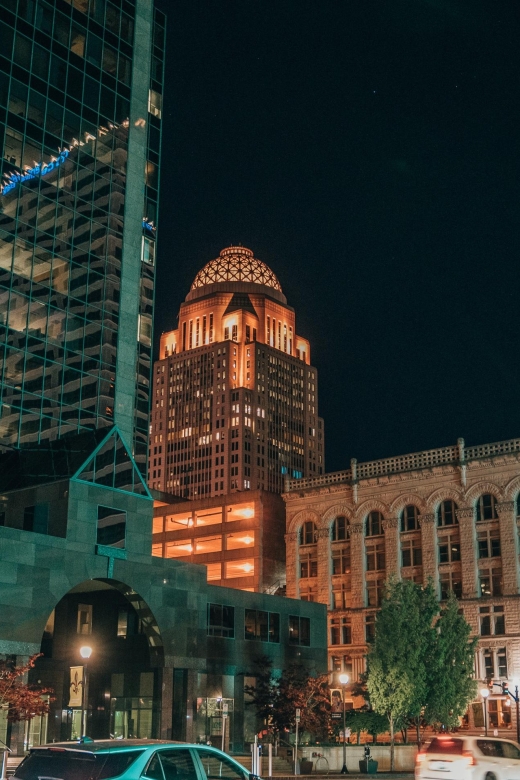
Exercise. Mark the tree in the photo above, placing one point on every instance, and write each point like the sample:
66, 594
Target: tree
397, 677
451, 684
366, 720
23, 701
277, 698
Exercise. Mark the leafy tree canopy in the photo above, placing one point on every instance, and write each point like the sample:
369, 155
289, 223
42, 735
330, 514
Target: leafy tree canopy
23, 701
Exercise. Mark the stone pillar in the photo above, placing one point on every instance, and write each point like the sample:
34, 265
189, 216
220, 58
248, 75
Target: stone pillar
357, 559
291, 564
191, 713
466, 518
507, 524
165, 685
429, 549
393, 564
324, 566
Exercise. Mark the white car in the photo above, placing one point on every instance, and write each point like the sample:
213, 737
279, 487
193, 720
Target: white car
454, 757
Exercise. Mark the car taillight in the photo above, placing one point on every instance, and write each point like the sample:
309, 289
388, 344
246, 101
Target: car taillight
470, 758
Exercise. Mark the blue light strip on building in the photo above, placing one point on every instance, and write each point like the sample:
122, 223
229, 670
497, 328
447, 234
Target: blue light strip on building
33, 173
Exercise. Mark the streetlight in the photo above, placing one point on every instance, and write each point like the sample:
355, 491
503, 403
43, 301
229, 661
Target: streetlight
344, 678
85, 652
484, 692
516, 683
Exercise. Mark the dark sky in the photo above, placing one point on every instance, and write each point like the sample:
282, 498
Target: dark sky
368, 152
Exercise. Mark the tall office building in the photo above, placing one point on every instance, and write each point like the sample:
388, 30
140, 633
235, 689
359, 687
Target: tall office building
235, 397
80, 126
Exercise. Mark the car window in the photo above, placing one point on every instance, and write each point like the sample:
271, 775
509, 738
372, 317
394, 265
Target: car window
177, 764
217, 766
510, 750
65, 764
448, 745
116, 763
153, 770
490, 747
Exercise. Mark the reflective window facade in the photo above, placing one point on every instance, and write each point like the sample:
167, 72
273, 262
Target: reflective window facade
73, 246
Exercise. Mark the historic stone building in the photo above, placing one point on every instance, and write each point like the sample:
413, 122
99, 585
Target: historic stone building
448, 514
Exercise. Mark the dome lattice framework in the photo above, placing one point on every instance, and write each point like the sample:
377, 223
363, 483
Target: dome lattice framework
236, 264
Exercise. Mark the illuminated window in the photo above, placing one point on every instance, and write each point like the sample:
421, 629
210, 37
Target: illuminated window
242, 568
175, 522
208, 517
263, 626
157, 550
208, 544
447, 513
240, 540
214, 571
490, 580
158, 525
155, 103
486, 507
178, 549
240, 512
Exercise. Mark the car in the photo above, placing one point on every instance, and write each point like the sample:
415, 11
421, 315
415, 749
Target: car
129, 759
454, 757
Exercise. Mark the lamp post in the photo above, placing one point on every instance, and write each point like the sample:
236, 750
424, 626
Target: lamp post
516, 683
484, 692
344, 678
85, 652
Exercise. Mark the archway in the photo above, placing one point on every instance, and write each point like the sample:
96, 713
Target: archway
116, 691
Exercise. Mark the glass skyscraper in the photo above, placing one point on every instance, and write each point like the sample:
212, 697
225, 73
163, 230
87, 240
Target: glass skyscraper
80, 128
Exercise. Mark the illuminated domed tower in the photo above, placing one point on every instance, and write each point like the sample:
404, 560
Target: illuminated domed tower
235, 399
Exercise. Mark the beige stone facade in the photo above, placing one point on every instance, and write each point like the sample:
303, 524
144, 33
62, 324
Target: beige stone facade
450, 514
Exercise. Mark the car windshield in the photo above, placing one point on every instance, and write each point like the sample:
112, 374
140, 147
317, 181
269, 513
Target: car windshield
448, 746
60, 764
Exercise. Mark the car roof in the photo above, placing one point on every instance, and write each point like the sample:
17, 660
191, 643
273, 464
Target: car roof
109, 745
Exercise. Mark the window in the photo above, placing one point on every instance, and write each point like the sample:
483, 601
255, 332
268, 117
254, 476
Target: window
308, 533
84, 624
341, 594
111, 527
490, 581
299, 631
492, 621
449, 548
341, 560
411, 552
340, 631
450, 581
340, 529
374, 524
375, 592
488, 543
175, 763
447, 513
264, 626
309, 564
155, 103
486, 507
410, 518
370, 627
495, 662
221, 620
216, 765
36, 518
499, 714
375, 556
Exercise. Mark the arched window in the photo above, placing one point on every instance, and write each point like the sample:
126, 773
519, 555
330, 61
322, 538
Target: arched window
340, 529
518, 505
308, 533
447, 513
374, 524
410, 518
487, 507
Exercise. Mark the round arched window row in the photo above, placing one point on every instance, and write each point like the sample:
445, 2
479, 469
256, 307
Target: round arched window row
374, 524
308, 533
340, 529
447, 513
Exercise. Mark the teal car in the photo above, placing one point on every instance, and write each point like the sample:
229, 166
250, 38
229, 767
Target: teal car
129, 759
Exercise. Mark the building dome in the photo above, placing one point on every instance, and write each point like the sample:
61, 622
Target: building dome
236, 264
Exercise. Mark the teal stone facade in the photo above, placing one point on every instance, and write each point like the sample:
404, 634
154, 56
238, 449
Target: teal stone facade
187, 668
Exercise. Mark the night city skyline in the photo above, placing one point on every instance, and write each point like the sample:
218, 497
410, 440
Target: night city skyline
366, 153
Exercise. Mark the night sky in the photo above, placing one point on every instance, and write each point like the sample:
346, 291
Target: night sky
368, 152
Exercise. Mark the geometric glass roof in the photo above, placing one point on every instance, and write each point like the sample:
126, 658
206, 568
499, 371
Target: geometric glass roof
112, 465
236, 264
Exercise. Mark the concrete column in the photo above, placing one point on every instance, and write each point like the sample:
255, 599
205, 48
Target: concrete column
357, 558
291, 564
393, 564
429, 548
466, 518
165, 684
508, 546
324, 566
